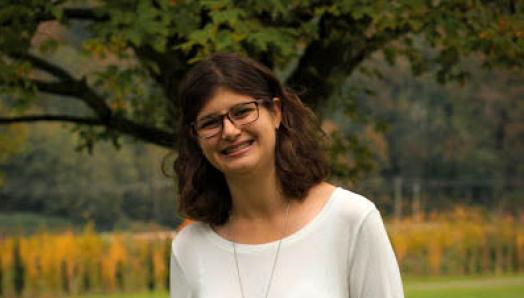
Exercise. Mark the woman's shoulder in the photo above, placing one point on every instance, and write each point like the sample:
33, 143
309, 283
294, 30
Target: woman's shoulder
187, 237
352, 206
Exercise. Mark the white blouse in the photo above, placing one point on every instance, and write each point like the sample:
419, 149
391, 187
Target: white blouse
343, 252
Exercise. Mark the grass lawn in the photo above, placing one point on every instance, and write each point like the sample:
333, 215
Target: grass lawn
465, 287
24, 223
127, 295
511, 286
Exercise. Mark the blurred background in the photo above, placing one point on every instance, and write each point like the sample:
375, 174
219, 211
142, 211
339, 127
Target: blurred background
422, 102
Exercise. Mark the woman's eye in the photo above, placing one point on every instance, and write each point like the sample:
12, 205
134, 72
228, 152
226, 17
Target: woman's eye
211, 123
242, 112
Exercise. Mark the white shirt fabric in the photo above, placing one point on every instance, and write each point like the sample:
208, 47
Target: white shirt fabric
343, 252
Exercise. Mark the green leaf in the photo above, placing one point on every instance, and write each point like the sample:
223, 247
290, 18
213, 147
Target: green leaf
48, 46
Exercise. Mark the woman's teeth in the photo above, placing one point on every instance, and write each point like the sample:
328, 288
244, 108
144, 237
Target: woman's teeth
237, 148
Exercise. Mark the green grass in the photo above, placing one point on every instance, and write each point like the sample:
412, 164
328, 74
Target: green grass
20, 223
27, 223
465, 287
126, 295
514, 292
510, 286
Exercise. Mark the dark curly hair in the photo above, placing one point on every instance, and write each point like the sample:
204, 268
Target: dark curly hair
299, 154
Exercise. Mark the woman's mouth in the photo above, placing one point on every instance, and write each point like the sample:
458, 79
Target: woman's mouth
237, 149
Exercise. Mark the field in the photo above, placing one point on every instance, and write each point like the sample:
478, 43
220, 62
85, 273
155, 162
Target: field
510, 286
466, 287
462, 253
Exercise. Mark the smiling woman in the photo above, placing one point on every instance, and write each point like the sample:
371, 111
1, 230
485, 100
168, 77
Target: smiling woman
212, 88
243, 146
251, 172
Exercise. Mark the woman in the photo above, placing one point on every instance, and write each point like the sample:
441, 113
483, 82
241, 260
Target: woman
251, 174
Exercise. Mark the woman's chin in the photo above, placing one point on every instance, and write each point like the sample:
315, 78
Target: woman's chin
245, 166
238, 168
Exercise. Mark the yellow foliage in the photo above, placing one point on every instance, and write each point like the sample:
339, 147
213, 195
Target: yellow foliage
116, 255
458, 242
67, 263
6, 265
159, 264
463, 241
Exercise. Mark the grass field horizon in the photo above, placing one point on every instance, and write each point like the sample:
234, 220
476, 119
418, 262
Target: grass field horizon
436, 256
482, 286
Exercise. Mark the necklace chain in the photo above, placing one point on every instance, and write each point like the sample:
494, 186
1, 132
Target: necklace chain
275, 258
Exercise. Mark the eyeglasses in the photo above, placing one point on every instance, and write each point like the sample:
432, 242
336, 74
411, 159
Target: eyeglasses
240, 115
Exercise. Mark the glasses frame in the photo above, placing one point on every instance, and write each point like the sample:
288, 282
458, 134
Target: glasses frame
227, 115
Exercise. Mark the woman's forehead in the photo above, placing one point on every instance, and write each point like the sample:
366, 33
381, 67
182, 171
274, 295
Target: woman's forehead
221, 101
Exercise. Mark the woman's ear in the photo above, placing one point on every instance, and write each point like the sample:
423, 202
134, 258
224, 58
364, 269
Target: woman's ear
277, 112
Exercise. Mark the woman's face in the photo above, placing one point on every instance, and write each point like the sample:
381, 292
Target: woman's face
240, 149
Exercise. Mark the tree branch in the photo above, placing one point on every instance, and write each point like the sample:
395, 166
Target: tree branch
124, 126
44, 65
337, 57
63, 88
67, 86
41, 118
143, 132
82, 14
88, 14
77, 89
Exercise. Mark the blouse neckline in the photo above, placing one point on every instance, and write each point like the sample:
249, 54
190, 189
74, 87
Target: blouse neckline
304, 230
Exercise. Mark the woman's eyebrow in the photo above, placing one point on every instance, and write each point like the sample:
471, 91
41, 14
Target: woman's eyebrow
215, 114
209, 116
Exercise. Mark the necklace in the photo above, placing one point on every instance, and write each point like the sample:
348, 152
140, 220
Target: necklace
275, 258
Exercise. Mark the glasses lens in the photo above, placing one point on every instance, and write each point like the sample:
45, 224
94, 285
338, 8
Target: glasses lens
240, 114
207, 128
244, 113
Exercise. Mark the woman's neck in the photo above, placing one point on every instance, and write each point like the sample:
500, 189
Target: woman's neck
256, 198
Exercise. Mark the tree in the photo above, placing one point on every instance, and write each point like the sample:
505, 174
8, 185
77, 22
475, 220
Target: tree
114, 189
123, 59
11, 140
449, 144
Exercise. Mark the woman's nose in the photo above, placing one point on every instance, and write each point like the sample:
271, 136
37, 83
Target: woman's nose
229, 130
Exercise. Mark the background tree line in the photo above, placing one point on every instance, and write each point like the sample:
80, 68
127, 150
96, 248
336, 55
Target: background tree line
110, 69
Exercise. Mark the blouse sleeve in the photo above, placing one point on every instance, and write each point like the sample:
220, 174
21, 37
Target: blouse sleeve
178, 284
373, 268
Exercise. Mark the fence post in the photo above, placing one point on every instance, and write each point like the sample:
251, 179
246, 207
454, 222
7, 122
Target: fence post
398, 198
415, 203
